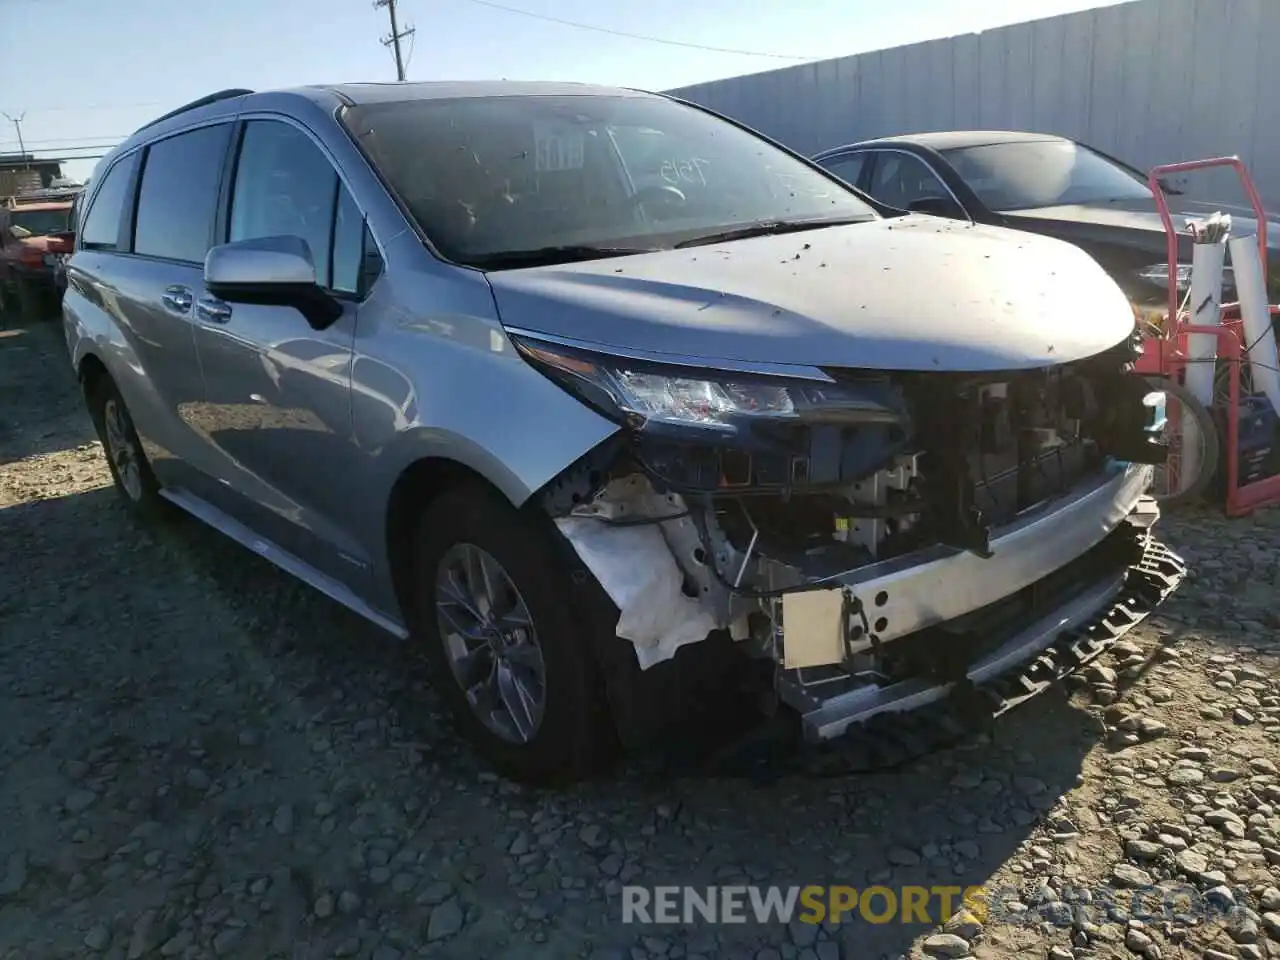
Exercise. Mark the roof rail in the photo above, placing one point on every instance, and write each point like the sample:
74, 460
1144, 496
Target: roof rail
201, 102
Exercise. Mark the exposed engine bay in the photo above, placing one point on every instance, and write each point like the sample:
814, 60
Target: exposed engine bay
844, 543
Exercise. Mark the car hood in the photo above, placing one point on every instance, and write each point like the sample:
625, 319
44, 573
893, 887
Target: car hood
1140, 217
913, 293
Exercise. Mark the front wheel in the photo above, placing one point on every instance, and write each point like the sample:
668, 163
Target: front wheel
507, 654
1194, 446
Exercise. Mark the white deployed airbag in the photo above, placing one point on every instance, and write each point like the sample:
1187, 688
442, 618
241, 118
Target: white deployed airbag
636, 568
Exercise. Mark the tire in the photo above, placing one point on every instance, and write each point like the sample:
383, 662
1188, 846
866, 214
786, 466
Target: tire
1211, 449
574, 736
130, 470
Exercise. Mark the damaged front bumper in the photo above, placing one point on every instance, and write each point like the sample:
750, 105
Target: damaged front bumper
903, 723
941, 587
877, 544
1061, 584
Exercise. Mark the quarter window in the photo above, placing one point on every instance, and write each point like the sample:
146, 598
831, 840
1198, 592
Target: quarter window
901, 179
101, 230
178, 198
351, 243
848, 168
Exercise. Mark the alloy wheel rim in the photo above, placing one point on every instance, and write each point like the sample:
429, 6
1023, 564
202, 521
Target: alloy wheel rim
120, 450
491, 643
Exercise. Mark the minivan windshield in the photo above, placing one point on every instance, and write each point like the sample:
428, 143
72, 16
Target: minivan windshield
1025, 174
520, 180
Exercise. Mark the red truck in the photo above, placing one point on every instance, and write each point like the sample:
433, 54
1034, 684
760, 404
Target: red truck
37, 235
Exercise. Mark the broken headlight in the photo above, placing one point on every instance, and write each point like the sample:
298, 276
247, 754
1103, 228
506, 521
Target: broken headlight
639, 394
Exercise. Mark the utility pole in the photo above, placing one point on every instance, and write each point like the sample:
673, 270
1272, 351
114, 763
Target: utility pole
396, 35
17, 125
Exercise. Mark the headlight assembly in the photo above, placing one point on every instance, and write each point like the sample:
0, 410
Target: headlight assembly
644, 395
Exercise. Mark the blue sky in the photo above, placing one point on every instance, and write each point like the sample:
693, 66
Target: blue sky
91, 71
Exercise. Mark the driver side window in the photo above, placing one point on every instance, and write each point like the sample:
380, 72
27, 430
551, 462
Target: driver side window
900, 179
285, 186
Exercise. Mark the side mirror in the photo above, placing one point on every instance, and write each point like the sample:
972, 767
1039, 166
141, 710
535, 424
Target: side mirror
937, 207
270, 271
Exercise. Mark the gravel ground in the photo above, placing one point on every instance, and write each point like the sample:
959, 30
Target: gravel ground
200, 758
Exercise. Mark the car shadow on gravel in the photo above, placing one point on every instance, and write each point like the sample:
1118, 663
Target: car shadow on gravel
942, 824
41, 408
1229, 598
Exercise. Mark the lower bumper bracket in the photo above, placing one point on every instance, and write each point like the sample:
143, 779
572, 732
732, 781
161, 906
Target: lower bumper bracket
950, 714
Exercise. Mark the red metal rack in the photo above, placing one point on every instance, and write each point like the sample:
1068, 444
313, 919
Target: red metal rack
1165, 355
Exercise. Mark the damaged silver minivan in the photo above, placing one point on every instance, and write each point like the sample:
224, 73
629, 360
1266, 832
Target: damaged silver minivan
574, 385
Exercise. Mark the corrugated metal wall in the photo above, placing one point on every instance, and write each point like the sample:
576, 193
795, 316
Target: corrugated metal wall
1150, 81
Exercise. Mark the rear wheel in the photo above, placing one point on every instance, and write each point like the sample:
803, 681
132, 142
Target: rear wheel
1194, 446
126, 460
506, 652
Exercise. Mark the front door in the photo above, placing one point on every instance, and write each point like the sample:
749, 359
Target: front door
278, 391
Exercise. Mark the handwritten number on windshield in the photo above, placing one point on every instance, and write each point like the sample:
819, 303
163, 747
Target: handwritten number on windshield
685, 171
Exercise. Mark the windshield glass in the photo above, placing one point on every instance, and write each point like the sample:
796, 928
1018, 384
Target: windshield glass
1042, 173
41, 222
485, 176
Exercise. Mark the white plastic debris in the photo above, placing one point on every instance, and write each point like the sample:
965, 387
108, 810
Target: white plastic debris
636, 568
1260, 340
1208, 256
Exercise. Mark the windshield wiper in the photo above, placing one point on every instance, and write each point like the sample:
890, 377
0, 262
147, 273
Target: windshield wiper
764, 228
541, 256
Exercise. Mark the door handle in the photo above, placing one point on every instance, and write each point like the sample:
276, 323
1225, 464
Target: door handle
177, 299
214, 311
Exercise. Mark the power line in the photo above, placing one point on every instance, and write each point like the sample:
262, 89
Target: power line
98, 108
72, 151
87, 156
408, 59
80, 143
634, 36
38, 152
43, 140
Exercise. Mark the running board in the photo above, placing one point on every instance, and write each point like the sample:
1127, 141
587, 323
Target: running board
331, 588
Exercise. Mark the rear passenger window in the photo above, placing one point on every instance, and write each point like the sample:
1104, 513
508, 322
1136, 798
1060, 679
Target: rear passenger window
101, 230
178, 198
286, 186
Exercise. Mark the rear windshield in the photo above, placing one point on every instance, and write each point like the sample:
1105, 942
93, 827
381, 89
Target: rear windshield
1022, 175
41, 222
490, 175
